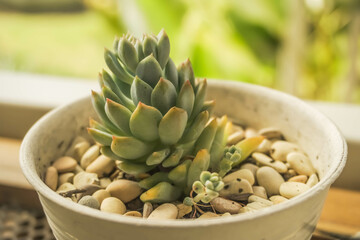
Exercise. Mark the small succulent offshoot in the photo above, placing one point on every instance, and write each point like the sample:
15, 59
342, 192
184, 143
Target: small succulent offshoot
154, 119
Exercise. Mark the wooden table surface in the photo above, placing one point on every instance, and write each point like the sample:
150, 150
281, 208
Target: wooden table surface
341, 213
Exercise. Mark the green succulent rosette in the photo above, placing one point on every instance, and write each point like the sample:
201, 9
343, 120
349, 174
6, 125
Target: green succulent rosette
154, 118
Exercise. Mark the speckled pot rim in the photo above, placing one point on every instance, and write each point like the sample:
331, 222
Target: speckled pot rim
30, 173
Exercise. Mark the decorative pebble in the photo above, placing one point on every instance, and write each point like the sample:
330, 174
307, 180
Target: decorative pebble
183, 210
51, 178
78, 169
88, 190
270, 179
133, 214
250, 132
252, 167
254, 198
276, 199
83, 178
243, 174
235, 137
147, 209
100, 195
226, 214
270, 133
264, 146
89, 156
164, 211
89, 201
260, 191
79, 149
289, 174
298, 178
264, 160
65, 164
113, 205
256, 205
75, 142
223, 205
238, 190
208, 215
65, 187
292, 189
245, 210
101, 166
125, 190
104, 182
280, 149
66, 177
300, 163
313, 180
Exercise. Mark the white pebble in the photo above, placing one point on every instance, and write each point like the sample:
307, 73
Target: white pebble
293, 189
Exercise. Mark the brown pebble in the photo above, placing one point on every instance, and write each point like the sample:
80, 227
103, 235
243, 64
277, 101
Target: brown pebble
223, 205
51, 178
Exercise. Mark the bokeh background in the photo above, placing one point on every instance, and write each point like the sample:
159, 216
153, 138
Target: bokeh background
309, 48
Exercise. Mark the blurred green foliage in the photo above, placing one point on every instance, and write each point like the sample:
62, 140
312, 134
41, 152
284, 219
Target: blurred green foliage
229, 39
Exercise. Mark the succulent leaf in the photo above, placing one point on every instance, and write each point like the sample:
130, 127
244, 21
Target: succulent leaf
95, 124
186, 97
154, 179
209, 106
157, 157
247, 146
199, 98
141, 91
163, 96
163, 48
134, 168
160, 193
115, 85
108, 94
178, 175
149, 70
139, 50
116, 44
186, 72
207, 136
218, 145
171, 73
172, 126
196, 127
150, 46
115, 66
127, 54
125, 88
119, 115
174, 158
144, 122
101, 137
130, 147
200, 163
99, 104
106, 150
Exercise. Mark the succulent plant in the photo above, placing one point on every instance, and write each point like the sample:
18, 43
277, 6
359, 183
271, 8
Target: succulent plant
154, 117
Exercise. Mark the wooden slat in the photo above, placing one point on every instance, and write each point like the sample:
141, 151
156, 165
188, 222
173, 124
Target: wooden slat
10, 172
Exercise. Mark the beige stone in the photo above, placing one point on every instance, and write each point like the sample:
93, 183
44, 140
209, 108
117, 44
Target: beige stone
102, 165
65, 164
125, 190
164, 211
113, 205
243, 174
270, 179
51, 178
223, 205
89, 156
100, 195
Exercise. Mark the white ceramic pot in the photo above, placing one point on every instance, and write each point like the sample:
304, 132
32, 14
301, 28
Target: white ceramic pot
247, 104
